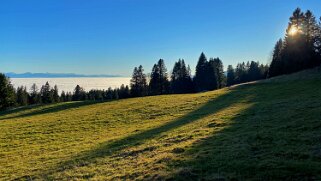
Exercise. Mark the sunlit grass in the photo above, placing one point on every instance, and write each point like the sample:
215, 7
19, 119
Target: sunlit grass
256, 131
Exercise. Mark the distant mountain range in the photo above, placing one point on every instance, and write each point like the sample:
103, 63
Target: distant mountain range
53, 75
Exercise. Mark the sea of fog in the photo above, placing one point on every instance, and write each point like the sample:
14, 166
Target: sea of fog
69, 84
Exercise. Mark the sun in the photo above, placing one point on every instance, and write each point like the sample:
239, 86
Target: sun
293, 30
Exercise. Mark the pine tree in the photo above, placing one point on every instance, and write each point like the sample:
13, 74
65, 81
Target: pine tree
138, 84
115, 94
254, 72
109, 94
7, 93
22, 96
230, 75
35, 97
46, 94
293, 54
240, 73
79, 94
201, 80
181, 80
311, 29
159, 83
318, 42
68, 97
276, 66
63, 97
55, 94
212, 75
124, 91
301, 46
176, 83
264, 70
221, 79
154, 83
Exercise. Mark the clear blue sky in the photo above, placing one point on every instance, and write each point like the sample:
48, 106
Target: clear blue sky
113, 36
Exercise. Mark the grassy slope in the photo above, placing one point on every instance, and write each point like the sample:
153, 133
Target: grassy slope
266, 130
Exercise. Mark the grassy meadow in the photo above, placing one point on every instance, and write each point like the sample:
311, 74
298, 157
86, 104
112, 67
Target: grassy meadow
266, 130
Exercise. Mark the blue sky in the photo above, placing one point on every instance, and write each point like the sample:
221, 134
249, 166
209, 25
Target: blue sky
113, 36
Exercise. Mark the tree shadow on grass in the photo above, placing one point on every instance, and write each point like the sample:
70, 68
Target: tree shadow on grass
113, 147
43, 109
274, 139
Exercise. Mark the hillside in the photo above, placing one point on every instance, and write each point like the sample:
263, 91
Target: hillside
267, 130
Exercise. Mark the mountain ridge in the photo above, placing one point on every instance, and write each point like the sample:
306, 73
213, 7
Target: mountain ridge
54, 75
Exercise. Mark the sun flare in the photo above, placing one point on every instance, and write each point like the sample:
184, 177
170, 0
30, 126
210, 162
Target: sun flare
293, 30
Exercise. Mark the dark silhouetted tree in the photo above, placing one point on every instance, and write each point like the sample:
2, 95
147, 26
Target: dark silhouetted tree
159, 83
254, 72
211, 75
22, 96
46, 94
219, 70
55, 94
7, 93
230, 75
68, 97
138, 84
181, 80
276, 66
240, 73
79, 94
63, 97
301, 45
201, 79
124, 91
35, 97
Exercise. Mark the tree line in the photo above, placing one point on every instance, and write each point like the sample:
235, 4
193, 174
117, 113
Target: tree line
246, 72
209, 75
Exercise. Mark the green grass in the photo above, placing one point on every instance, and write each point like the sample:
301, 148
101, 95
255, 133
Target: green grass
269, 130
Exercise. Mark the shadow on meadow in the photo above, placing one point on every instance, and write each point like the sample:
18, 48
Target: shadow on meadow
277, 138
43, 109
259, 143
116, 147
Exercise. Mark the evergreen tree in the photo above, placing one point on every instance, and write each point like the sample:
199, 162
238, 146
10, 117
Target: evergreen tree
240, 73
230, 75
254, 72
154, 83
138, 83
115, 94
293, 54
35, 97
63, 97
311, 28
124, 91
69, 97
201, 80
55, 94
22, 96
264, 69
109, 93
7, 93
219, 69
276, 66
46, 94
212, 75
159, 83
181, 80
318, 41
79, 94
301, 46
